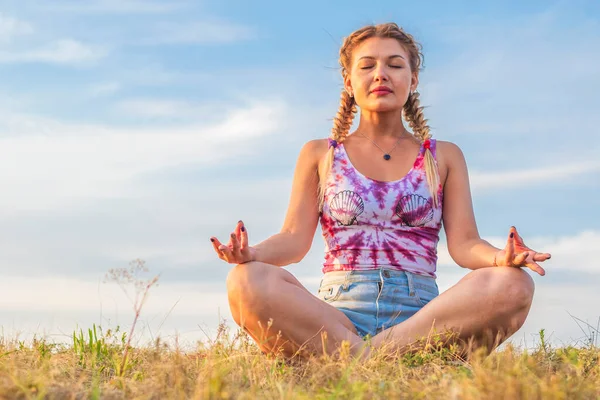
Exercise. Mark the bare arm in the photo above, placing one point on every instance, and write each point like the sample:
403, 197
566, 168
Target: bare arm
465, 245
292, 243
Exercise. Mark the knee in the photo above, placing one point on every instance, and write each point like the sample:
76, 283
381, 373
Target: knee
246, 283
513, 288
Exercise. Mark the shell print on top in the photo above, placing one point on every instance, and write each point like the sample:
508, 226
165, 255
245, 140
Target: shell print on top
414, 210
345, 206
372, 224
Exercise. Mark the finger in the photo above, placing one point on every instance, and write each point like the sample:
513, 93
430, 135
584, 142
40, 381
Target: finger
541, 256
518, 238
216, 244
238, 228
220, 247
244, 238
236, 247
536, 268
520, 258
510, 248
227, 253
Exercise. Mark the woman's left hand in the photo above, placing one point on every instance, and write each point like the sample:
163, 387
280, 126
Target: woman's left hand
517, 254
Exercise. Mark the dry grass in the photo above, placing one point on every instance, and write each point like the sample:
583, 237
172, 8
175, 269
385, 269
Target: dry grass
232, 367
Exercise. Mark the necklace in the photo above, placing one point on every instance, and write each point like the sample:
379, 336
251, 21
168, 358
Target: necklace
386, 156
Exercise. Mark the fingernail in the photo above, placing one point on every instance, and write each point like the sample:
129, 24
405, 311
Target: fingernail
512, 234
243, 228
212, 240
233, 235
239, 221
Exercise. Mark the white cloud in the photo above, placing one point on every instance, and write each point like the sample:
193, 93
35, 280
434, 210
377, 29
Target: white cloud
169, 109
68, 161
65, 52
572, 253
59, 306
11, 27
531, 177
69, 294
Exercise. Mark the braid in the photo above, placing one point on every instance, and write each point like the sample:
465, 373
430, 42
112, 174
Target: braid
344, 117
413, 113
341, 126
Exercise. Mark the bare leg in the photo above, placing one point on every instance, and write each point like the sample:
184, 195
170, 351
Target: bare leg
485, 308
259, 292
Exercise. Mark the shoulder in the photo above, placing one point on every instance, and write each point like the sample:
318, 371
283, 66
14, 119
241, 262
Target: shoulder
448, 149
314, 150
449, 156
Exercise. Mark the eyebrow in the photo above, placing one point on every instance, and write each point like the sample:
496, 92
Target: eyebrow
392, 56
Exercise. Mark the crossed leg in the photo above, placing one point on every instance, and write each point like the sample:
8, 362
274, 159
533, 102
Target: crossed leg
486, 307
259, 293
483, 309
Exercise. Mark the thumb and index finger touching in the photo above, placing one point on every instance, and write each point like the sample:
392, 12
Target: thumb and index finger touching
519, 243
516, 243
237, 241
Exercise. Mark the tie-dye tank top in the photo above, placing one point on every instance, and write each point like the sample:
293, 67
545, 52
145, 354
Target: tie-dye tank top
369, 224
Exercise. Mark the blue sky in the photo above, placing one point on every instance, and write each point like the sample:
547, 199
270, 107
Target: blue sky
138, 129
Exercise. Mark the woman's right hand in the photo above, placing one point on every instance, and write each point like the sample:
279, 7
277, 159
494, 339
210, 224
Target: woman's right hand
237, 250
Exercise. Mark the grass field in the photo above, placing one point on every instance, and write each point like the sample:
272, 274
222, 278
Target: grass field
96, 365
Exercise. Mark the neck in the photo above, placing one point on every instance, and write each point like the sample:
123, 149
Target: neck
382, 125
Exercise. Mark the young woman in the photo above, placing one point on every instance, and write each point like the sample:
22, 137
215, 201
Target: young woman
380, 194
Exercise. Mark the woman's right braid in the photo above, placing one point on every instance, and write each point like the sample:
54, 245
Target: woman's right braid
344, 117
341, 126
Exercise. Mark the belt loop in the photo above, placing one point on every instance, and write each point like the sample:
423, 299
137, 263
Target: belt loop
411, 286
346, 280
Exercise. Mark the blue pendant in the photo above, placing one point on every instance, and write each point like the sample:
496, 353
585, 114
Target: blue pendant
386, 157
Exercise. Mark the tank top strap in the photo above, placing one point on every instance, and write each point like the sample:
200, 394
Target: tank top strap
337, 149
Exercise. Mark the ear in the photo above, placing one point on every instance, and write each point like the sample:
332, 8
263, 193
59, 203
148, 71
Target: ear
348, 84
414, 81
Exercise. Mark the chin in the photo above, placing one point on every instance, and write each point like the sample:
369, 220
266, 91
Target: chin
382, 107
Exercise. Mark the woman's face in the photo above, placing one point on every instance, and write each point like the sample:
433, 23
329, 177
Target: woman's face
380, 62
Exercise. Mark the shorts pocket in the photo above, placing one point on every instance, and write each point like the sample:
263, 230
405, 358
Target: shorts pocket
425, 294
330, 292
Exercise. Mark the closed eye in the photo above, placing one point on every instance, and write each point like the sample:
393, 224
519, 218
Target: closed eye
393, 66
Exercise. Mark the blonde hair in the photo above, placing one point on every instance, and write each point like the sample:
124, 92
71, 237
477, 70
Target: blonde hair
412, 111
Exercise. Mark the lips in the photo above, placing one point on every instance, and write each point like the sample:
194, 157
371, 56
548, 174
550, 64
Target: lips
381, 89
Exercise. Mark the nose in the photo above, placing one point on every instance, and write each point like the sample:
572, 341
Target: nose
380, 73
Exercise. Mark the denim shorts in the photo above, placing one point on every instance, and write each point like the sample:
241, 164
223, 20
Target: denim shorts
377, 299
